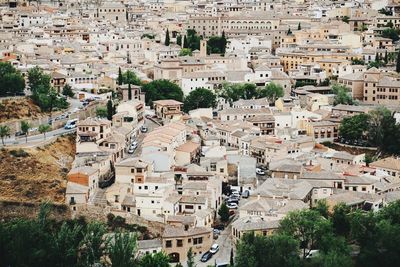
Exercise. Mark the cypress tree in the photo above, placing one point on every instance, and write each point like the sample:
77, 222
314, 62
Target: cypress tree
167, 38
129, 92
289, 32
110, 110
185, 42
386, 57
398, 62
377, 58
299, 27
179, 40
120, 79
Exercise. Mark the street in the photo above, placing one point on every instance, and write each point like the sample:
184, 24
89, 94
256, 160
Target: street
225, 245
35, 138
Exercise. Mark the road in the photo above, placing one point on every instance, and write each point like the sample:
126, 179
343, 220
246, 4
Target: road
225, 245
35, 138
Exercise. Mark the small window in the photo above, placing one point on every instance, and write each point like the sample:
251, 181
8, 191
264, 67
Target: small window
168, 243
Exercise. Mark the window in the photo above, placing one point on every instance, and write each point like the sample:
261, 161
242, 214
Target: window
168, 243
221, 170
197, 241
132, 170
199, 207
179, 243
146, 187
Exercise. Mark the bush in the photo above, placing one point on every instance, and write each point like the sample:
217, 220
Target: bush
20, 153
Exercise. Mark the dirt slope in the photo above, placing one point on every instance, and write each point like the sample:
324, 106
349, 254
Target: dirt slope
21, 108
36, 174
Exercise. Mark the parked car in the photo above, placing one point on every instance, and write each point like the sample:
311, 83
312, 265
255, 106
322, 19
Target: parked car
19, 133
216, 231
312, 254
134, 144
260, 171
232, 205
144, 129
214, 248
220, 227
246, 194
206, 256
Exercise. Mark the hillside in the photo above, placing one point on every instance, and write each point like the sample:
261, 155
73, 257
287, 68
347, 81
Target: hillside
19, 108
36, 174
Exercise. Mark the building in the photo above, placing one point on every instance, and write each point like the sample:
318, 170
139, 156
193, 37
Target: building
168, 110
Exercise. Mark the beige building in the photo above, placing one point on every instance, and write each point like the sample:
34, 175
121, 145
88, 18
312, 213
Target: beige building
178, 240
391, 165
322, 130
168, 110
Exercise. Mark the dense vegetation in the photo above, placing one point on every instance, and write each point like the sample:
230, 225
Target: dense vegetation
199, 98
234, 92
46, 242
43, 94
342, 238
378, 127
160, 90
11, 81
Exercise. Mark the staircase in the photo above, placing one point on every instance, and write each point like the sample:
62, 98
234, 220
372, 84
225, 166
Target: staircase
99, 198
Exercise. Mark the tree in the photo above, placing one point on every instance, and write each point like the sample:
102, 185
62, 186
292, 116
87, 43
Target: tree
129, 77
92, 244
398, 63
162, 89
179, 40
129, 92
121, 249
11, 80
67, 90
357, 61
25, 126
272, 92
306, 226
223, 212
101, 112
267, 251
299, 27
185, 42
216, 44
355, 127
289, 32
322, 208
167, 41
190, 258
386, 58
120, 78
185, 52
199, 98
340, 219
231, 259
110, 110
342, 95
158, 259
43, 129
193, 40
391, 34
345, 19
4, 132
234, 92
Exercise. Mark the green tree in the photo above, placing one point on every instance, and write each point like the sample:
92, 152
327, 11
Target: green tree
65, 243
185, 42
223, 212
129, 77
355, 127
120, 78
121, 249
110, 110
272, 92
11, 80
43, 129
340, 219
289, 32
386, 58
306, 226
391, 34
67, 91
193, 40
25, 126
216, 44
267, 251
185, 52
129, 92
167, 40
357, 61
38, 80
158, 259
231, 259
234, 91
4, 132
92, 244
342, 95
398, 63
346, 19
190, 258
161, 90
199, 98
299, 27
322, 208
179, 40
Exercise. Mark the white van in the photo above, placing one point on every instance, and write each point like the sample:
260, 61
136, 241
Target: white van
71, 124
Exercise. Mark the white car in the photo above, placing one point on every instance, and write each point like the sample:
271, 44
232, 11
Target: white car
260, 171
232, 205
134, 145
214, 248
